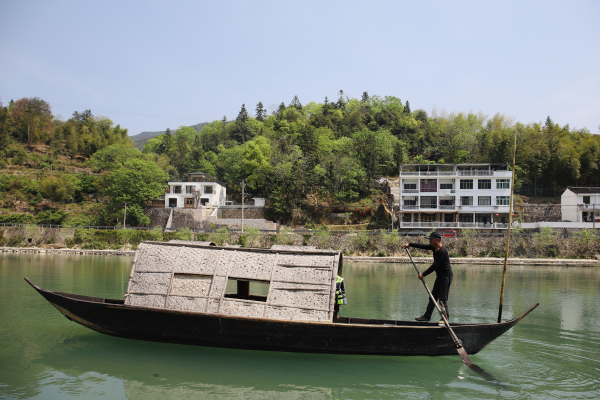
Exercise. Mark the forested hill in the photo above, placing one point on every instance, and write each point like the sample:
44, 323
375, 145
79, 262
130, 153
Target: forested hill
299, 157
140, 139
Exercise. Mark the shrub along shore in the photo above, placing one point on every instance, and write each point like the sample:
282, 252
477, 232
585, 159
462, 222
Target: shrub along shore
584, 246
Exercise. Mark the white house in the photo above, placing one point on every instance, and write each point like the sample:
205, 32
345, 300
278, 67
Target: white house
579, 204
455, 195
198, 189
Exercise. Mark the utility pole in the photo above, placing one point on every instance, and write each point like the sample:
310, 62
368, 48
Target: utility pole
243, 184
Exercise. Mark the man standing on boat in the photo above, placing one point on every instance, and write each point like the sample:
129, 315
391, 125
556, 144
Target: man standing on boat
443, 270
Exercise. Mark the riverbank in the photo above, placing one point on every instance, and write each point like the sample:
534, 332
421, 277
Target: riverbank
82, 252
563, 262
420, 260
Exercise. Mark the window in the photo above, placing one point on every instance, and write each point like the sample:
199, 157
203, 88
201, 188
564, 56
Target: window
428, 202
484, 184
176, 189
427, 218
484, 200
428, 185
410, 186
247, 290
483, 218
409, 202
466, 183
466, 200
502, 183
465, 218
446, 186
446, 202
208, 189
189, 189
586, 199
503, 200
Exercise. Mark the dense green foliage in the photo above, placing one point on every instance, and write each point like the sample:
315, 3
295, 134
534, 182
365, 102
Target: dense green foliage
335, 149
329, 151
30, 121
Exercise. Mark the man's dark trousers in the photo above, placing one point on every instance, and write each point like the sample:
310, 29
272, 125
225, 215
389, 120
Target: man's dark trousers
440, 291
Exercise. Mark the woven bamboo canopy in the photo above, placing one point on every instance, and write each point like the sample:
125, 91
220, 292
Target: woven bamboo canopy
191, 277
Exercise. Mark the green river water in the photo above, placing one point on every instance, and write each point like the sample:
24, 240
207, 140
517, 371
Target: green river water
554, 353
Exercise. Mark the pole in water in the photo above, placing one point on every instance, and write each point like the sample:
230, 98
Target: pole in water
457, 342
510, 213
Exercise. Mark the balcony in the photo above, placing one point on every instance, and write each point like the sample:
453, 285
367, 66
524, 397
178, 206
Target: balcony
467, 172
477, 225
428, 206
590, 207
409, 207
428, 190
410, 191
447, 207
427, 173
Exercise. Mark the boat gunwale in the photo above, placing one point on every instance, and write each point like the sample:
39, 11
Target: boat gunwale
428, 325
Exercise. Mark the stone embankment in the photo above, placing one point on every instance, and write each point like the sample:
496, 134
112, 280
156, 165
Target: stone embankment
420, 260
36, 250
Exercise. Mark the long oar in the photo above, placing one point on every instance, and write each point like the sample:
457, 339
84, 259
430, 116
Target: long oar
459, 347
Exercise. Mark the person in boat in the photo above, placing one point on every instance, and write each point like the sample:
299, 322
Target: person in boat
443, 270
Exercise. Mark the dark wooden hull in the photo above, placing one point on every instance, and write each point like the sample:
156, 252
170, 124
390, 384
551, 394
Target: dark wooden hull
345, 336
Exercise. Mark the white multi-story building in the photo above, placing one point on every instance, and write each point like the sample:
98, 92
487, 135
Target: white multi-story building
455, 195
579, 204
198, 189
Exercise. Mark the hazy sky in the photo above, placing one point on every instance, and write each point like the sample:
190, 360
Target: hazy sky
149, 65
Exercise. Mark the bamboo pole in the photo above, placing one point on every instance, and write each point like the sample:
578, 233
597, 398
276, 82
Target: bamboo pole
511, 208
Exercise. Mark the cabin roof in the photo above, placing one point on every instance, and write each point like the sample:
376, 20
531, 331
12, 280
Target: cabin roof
187, 276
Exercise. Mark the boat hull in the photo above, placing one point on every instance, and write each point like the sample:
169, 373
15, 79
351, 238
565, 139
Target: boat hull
345, 336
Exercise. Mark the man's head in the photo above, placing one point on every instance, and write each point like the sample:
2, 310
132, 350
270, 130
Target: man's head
434, 238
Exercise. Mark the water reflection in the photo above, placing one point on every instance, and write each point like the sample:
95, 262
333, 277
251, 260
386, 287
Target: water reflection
551, 354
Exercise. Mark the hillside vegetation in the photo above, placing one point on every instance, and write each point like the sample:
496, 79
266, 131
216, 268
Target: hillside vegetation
300, 156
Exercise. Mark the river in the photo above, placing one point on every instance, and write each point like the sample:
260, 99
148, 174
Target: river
554, 353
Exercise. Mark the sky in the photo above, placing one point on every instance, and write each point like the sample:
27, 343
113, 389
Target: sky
149, 65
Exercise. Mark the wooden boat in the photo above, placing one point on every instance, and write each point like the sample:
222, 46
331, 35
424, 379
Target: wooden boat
192, 309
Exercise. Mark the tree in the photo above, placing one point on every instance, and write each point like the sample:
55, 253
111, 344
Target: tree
135, 183
365, 97
83, 116
280, 110
167, 142
407, 107
261, 113
296, 103
33, 119
113, 156
341, 103
257, 161
243, 114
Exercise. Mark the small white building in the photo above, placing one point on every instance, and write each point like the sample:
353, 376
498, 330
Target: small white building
198, 189
455, 195
579, 204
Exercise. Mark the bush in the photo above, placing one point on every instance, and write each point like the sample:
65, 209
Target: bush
497, 253
251, 237
391, 241
361, 241
322, 237
50, 217
220, 237
284, 237
17, 219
